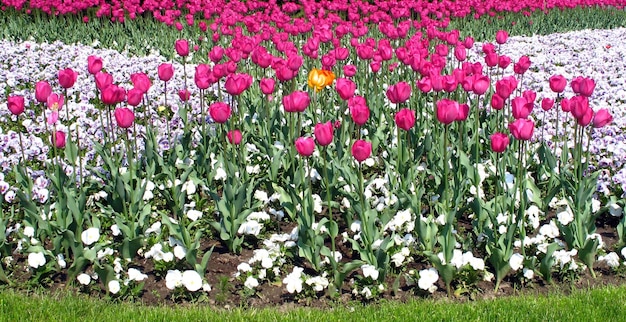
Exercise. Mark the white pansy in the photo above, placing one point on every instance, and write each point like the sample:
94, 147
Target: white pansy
180, 252
29, 231
428, 278
189, 187
114, 286
36, 260
317, 283
370, 271
191, 280
84, 279
220, 174
115, 230
155, 228
90, 236
250, 227
516, 261
244, 267
194, 214
251, 282
565, 215
611, 259
528, 273
293, 281
614, 209
173, 279
61, 261
317, 203
136, 275
261, 195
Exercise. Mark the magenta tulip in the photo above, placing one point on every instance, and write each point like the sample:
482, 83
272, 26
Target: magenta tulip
296, 102
522, 129
234, 137
166, 71
497, 102
521, 109
547, 103
141, 81
16, 104
42, 91
399, 93
237, 83
305, 146
480, 85
267, 85
184, 95
447, 111
502, 36
182, 47
103, 80
405, 119
345, 88
358, 110
67, 77
59, 139
602, 118
94, 64
522, 65
499, 142
324, 133
557, 83
220, 112
349, 70
124, 117
134, 97
361, 150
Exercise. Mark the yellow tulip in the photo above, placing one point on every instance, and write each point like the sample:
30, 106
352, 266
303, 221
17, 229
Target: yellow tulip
319, 78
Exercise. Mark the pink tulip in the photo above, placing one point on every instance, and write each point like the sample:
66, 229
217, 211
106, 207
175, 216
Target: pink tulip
67, 77
220, 112
602, 118
497, 102
481, 84
42, 91
501, 36
585, 119
521, 108
522, 65
141, 81
267, 85
297, 101
58, 140
522, 129
165, 71
184, 95
499, 142
405, 119
547, 103
447, 111
345, 88
358, 110
55, 101
234, 137
399, 92
216, 54
349, 70
305, 146
182, 47
94, 64
324, 133
361, 150
579, 106
237, 83
557, 83
135, 96
15, 104
583, 86
463, 112
103, 80
124, 117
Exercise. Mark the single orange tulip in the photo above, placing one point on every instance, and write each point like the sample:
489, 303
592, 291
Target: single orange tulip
319, 78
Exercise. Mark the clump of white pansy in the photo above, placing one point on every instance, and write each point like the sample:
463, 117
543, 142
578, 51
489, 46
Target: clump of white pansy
266, 262
148, 195
254, 223
611, 259
565, 259
379, 195
427, 279
189, 279
156, 252
293, 281
614, 209
190, 211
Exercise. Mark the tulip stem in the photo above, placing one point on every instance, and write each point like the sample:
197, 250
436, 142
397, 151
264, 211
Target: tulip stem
22, 148
445, 167
330, 208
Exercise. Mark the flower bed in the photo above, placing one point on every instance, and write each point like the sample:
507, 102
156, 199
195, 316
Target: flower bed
317, 165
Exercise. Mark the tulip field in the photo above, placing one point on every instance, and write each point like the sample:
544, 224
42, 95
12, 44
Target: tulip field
261, 152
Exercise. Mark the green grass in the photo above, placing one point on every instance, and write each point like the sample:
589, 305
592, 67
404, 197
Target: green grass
603, 304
